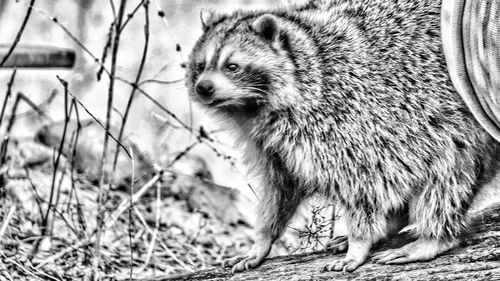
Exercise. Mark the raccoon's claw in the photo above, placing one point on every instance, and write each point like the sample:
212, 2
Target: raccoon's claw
247, 263
345, 265
339, 244
232, 261
420, 250
254, 258
394, 256
356, 255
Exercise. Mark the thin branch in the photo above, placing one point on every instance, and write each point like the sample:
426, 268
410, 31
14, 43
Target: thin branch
6, 221
45, 221
80, 215
69, 249
35, 108
113, 8
164, 246
105, 50
138, 77
103, 174
8, 94
154, 237
132, 14
19, 33
156, 81
38, 109
93, 117
161, 14
131, 207
124, 205
5, 141
38, 198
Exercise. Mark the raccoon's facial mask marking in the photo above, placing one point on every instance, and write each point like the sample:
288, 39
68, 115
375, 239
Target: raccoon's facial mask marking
211, 88
240, 69
229, 77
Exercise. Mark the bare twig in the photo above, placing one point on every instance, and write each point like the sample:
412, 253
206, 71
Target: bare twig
161, 14
6, 221
124, 205
45, 221
105, 50
156, 81
76, 135
113, 8
69, 249
35, 108
5, 142
165, 247
13, 113
8, 93
38, 199
93, 117
19, 33
38, 109
157, 226
132, 14
138, 77
9, 260
104, 174
131, 206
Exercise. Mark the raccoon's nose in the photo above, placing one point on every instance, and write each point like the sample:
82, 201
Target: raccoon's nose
205, 88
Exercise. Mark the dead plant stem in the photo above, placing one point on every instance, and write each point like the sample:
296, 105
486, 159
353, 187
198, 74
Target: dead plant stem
104, 181
19, 33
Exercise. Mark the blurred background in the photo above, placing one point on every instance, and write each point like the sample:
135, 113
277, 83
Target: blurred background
89, 21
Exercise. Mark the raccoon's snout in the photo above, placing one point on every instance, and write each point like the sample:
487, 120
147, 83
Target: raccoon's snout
205, 89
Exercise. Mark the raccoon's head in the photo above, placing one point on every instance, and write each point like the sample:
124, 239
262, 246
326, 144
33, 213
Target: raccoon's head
239, 64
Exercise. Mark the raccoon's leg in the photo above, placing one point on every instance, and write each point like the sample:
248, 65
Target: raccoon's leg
338, 244
364, 231
395, 221
423, 249
437, 217
276, 208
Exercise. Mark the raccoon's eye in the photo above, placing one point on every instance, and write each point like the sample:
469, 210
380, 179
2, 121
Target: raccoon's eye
199, 66
232, 67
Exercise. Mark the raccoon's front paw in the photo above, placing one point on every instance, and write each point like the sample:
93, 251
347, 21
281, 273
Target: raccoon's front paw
346, 265
339, 244
356, 255
254, 258
420, 250
243, 262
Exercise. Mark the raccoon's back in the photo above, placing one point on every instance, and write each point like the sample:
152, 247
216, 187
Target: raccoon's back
385, 81
387, 53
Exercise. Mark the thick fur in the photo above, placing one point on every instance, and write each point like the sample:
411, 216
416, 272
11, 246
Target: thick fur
352, 100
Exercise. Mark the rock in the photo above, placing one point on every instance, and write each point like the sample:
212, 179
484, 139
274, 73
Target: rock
192, 180
89, 151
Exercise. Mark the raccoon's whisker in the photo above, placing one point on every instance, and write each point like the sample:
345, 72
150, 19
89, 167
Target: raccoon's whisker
252, 87
255, 89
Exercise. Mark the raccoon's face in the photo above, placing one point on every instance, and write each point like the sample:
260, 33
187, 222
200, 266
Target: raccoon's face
238, 65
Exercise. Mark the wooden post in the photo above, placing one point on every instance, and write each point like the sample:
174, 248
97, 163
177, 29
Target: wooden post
32, 56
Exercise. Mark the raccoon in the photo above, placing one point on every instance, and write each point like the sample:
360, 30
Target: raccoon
351, 100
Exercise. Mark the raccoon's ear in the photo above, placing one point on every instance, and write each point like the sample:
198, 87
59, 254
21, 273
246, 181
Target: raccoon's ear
207, 18
267, 27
